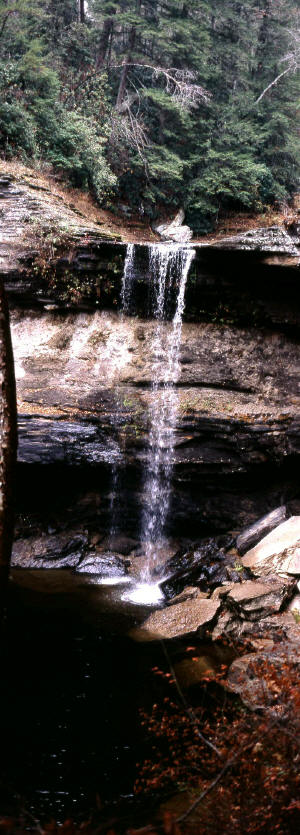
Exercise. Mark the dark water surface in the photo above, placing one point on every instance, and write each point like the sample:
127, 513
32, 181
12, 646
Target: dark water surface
72, 686
73, 683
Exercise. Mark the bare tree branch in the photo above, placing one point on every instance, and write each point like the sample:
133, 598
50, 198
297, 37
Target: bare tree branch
285, 72
293, 60
180, 84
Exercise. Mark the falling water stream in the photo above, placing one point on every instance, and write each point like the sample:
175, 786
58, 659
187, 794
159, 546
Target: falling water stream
169, 266
128, 277
114, 508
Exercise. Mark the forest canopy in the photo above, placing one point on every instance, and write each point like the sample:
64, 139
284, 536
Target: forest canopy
156, 104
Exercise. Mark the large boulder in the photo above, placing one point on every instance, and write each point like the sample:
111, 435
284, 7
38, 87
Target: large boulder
174, 230
256, 676
258, 633
251, 611
104, 565
49, 551
64, 550
181, 619
278, 552
253, 600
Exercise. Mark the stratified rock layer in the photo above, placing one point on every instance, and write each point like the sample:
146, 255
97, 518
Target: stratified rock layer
84, 376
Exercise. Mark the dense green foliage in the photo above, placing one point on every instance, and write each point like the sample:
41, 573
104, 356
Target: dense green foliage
155, 103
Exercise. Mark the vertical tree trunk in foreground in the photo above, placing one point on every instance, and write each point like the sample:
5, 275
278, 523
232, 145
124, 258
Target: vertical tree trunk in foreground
104, 42
123, 80
8, 443
81, 13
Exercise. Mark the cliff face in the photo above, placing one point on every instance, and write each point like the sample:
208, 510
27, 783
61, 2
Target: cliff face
84, 393
84, 373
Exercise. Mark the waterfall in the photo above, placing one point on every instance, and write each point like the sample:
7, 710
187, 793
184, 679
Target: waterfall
126, 298
169, 268
128, 276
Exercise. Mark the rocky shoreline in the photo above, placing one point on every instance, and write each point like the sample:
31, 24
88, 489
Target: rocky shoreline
257, 610
216, 591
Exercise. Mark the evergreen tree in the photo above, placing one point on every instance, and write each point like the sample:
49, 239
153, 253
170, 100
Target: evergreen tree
168, 103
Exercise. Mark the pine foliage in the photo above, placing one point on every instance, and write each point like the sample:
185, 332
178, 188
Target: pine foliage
157, 103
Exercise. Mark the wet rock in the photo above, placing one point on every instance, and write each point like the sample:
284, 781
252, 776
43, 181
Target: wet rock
278, 552
204, 564
105, 565
252, 600
249, 537
224, 626
44, 440
235, 574
95, 539
182, 619
273, 239
58, 551
120, 544
272, 627
230, 441
189, 593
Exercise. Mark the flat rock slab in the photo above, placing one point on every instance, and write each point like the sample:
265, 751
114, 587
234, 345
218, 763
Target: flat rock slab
278, 552
252, 600
180, 619
53, 551
272, 239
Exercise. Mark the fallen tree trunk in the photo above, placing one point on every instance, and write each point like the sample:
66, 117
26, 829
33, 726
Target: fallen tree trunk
250, 536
